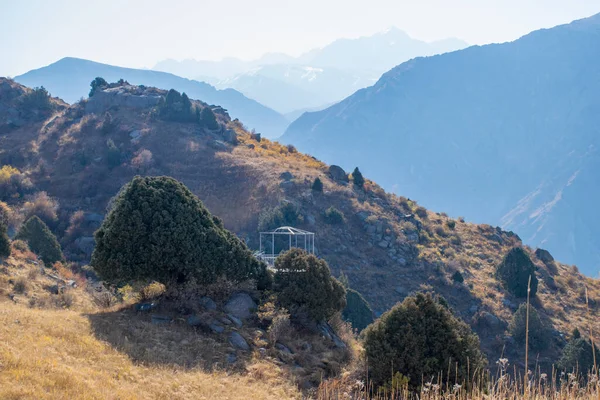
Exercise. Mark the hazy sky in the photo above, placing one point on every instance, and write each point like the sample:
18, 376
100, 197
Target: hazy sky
138, 33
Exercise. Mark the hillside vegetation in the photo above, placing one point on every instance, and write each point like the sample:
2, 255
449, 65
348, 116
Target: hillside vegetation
387, 247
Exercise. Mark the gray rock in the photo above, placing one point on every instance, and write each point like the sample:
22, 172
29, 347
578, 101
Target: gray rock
262, 351
287, 185
225, 320
207, 303
238, 341
240, 305
473, 309
231, 358
544, 256
329, 333
230, 136
102, 100
283, 348
363, 215
160, 319
338, 174
310, 219
491, 320
236, 321
144, 306
286, 176
194, 320
218, 145
216, 328
383, 244
135, 135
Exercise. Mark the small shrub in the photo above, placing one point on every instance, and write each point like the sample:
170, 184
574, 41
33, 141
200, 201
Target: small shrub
40, 240
37, 99
303, 283
357, 311
97, 83
451, 224
538, 334
358, 179
419, 338
152, 291
280, 327
514, 272
333, 216
20, 245
4, 242
421, 212
317, 185
208, 119
286, 214
577, 356
458, 277
21, 285
65, 300
104, 299
142, 160
291, 149
43, 206
113, 154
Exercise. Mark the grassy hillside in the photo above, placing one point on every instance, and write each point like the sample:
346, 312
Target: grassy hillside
388, 246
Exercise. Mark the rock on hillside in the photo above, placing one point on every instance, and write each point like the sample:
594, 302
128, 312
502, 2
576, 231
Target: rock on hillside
388, 246
505, 133
69, 78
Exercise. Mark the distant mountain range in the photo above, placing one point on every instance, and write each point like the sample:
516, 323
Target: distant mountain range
69, 79
504, 133
318, 77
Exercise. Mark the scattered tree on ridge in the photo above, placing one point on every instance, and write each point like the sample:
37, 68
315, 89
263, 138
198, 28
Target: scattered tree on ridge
317, 185
358, 179
96, 84
538, 334
577, 355
514, 272
418, 338
41, 240
4, 241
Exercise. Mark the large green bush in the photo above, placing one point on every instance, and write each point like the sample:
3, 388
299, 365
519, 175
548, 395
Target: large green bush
419, 338
577, 356
333, 216
4, 241
538, 334
304, 285
317, 185
514, 272
40, 240
357, 310
177, 107
158, 230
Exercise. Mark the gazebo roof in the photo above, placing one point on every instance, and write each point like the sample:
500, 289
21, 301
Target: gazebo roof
288, 230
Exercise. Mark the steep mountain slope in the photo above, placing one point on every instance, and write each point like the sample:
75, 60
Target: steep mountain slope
70, 79
496, 133
387, 246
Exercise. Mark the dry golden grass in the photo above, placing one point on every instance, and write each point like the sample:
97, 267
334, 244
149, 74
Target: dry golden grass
53, 354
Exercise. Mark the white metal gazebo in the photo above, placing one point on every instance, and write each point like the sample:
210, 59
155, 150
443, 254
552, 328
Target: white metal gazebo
275, 242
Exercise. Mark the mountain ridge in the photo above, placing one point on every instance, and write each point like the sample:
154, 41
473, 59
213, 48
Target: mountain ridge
453, 129
69, 78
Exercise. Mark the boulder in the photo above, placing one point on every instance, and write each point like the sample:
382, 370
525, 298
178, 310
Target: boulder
94, 217
338, 174
330, 334
207, 303
231, 358
160, 319
237, 341
240, 305
216, 328
194, 320
236, 321
283, 348
230, 136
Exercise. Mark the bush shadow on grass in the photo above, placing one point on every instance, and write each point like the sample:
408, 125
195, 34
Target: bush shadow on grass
173, 344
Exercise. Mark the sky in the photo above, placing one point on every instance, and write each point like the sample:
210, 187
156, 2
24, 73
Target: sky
139, 33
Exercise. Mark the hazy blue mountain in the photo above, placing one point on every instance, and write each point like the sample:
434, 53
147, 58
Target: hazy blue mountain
286, 88
378, 52
320, 76
70, 79
503, 133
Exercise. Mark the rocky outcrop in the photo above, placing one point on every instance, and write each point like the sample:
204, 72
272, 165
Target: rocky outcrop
240, 305
338, 174
122, 96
